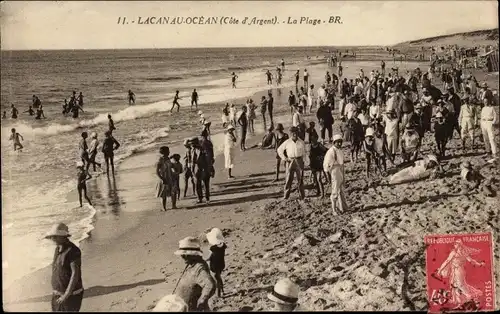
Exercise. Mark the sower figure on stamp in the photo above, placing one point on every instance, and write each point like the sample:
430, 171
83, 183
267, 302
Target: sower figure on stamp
295, 151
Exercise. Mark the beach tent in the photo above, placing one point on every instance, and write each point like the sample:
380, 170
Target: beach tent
491, 59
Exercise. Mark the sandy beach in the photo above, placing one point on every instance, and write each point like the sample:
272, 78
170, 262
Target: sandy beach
369, 259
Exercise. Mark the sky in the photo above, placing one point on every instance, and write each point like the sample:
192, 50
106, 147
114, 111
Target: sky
93, 25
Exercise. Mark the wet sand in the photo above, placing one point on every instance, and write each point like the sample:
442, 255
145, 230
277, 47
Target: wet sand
370, 258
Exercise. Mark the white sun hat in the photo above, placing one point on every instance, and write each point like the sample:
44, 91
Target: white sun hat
58, 230
215, 237
79, 164
93, 135
171, 303
369, 132
230, 127
337, 137
285, 291
439, 114
200, 112
189, 246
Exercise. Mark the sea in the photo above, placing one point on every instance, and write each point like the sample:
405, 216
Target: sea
38, 184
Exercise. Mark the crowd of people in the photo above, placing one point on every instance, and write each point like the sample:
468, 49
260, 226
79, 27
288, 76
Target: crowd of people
384, 115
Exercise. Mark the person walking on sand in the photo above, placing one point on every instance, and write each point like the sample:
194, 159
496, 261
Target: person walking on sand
188, 168
233, 80
229, 140
94, 143
67, 287
334, 164
488, 120
109, 145
16, 139
131, 98
243, 122
217, 257
82, 177
467, 120
280, 137
284, 296
164, 171
195, 285
251, 115
270, 104
175, 102
295, 151
194, 99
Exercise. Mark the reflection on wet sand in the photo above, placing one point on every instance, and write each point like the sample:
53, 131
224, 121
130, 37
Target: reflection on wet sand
113, 197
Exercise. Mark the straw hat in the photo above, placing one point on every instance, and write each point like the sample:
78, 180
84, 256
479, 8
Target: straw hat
484, 85
79, 164
285, 292
171, 303
93, 135
337, 137
230, 127
189, 246
58, 230
369, 132
215, 237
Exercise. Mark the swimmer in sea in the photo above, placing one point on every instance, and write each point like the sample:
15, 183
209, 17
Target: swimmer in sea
269, 77
111, 124
15, 137
80, 100
30, 111
233, 79
39, 113
14, 112
131, 98
82, 177
65, 107
75, 110
175, 102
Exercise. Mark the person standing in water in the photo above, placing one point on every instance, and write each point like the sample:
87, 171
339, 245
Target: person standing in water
175, 102
80, 100
15, 137
30, 111
39, 113
269, 76
131, 98
243, 122
109, 145
93, 152
194, 99
111, 124
82, 177
75, 109
233, 79
14, 112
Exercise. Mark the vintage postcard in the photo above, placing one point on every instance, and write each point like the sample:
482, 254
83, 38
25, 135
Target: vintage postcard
248, 155
460, 272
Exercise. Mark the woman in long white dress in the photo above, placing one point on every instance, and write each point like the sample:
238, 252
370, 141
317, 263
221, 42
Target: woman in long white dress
229, 141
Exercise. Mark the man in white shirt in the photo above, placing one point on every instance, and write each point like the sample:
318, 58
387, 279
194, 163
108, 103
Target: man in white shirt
392, 132
295, 149
298, 122
488, 119
334, 164
310, 98
349, 108
322, 93
467, 120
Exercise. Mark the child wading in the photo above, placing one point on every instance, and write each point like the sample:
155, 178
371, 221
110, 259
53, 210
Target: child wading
217, 263
82, 176
15, 137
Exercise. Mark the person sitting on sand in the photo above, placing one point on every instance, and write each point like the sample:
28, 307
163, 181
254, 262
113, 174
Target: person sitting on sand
334, 165
317, 154
268, 139
109, 145
217, 258
188, 168
16, 139
164, 171
229, 140
82, 177
176, 173
472, 179
424, 168
196, 285
284, 296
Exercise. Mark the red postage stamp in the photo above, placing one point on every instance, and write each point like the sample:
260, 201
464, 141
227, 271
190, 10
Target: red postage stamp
460, 272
